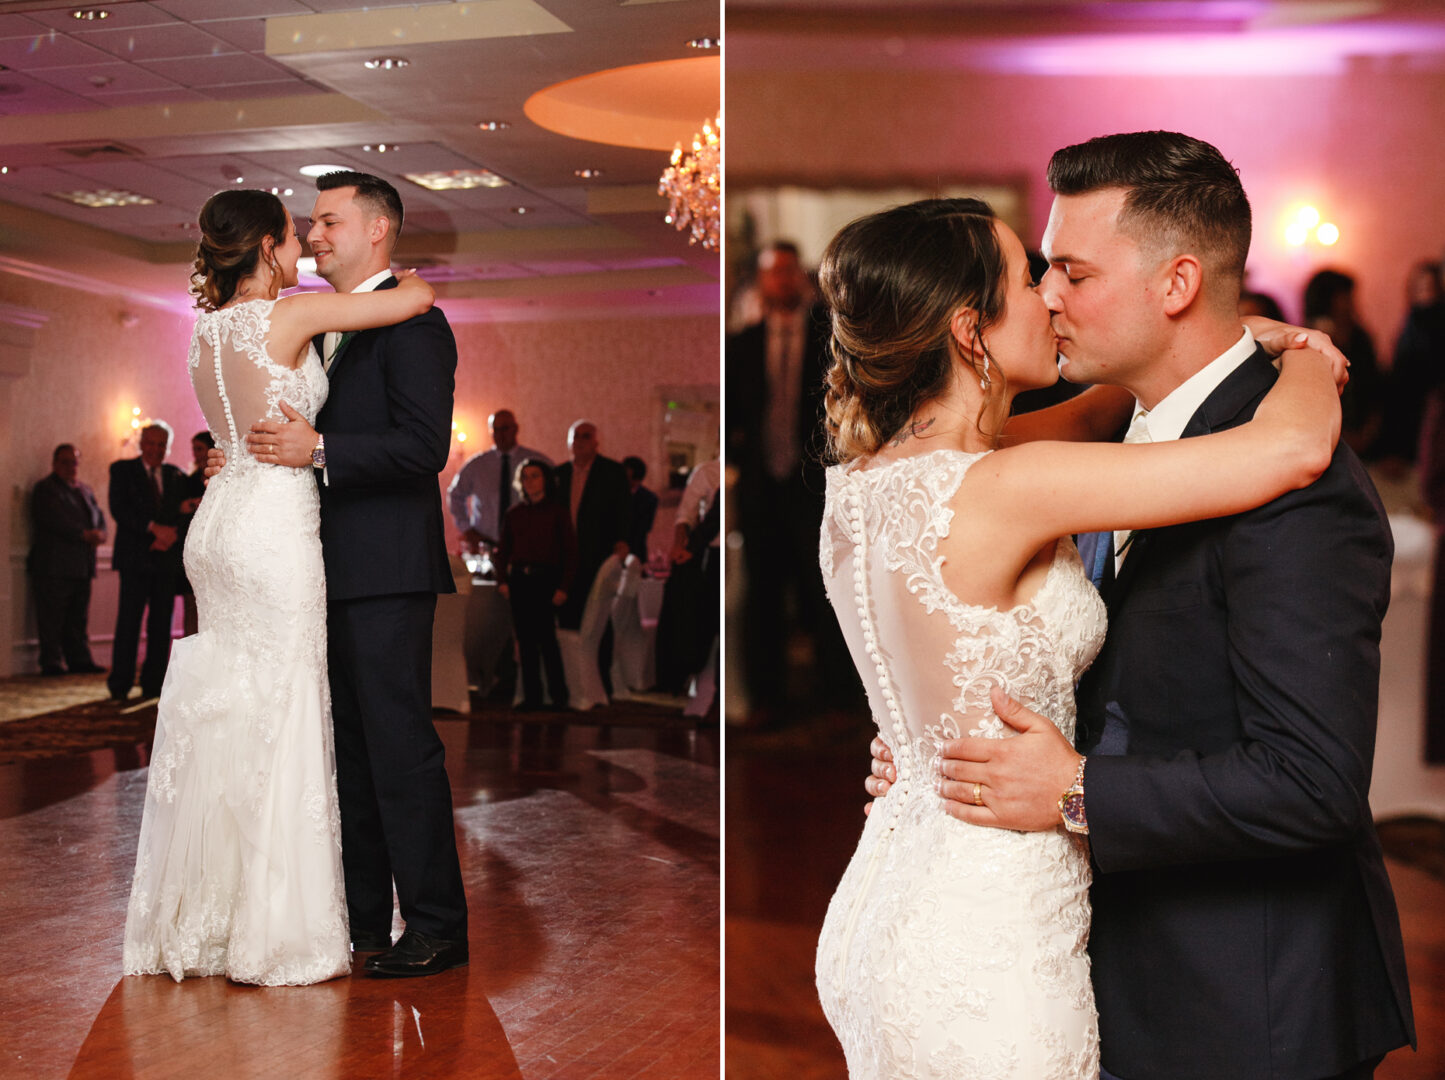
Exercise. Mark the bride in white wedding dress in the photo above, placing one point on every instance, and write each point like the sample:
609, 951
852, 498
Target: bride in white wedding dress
951, 950
238, 870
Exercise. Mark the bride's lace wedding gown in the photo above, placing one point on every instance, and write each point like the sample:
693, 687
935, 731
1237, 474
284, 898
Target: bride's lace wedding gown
239, 865
951, 950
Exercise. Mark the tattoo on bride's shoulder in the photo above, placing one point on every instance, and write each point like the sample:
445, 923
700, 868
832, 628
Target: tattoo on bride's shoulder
917, 427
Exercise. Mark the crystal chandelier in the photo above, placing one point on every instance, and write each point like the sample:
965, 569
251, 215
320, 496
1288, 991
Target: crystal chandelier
693, 185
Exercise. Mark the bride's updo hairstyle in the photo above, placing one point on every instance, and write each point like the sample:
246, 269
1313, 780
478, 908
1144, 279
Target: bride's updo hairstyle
233, 224
893, 282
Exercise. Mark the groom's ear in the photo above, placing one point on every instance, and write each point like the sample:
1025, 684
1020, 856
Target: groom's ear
1182, 284
379, 229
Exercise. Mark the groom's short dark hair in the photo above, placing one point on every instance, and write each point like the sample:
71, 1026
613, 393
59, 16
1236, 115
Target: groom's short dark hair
373, 190
1183, 195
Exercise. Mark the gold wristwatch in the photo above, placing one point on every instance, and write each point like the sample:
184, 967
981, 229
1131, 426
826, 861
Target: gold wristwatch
1071, 803
318, 455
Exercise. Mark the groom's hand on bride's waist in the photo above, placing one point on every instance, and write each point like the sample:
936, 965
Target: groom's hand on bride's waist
288, 443
1008, 783
883, 774
215, 462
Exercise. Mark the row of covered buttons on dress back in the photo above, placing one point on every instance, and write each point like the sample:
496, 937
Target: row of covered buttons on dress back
902, 751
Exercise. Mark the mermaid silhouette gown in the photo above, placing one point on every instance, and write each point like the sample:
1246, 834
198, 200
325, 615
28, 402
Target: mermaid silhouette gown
952, 950
239, 865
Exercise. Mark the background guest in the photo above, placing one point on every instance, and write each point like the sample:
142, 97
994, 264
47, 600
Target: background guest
1329, 305
66, 525
145, 500
594, 490
1259, 303
481, 491
642, 507
201, 443
1419, 364
688, 623
775, 376
536, 565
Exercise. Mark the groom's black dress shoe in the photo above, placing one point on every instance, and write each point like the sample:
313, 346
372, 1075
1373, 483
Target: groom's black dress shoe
418, 954
365, 942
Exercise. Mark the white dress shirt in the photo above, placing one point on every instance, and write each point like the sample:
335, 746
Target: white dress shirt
333, 337
702, 487
472, 498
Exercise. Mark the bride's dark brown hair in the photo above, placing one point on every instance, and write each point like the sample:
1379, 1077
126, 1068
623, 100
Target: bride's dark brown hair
233, 224
893, 282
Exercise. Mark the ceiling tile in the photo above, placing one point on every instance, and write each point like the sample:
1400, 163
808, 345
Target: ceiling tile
27, 54
248, 35
157, 42
121, 15
23, 95
19, 26
203, 71
122, 77
175, 95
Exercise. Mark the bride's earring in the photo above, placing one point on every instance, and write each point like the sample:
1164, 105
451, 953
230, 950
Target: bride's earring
984, 380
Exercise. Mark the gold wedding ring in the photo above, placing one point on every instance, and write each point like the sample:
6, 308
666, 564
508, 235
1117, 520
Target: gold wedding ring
977, 794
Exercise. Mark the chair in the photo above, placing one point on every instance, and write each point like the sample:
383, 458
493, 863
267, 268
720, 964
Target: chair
579, 647
632, 639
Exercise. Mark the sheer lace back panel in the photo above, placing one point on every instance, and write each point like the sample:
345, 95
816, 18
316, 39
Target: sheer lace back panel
950, 950
879, 554
237, 382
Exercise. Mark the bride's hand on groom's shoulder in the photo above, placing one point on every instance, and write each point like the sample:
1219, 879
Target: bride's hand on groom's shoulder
1277, 338
1010, 783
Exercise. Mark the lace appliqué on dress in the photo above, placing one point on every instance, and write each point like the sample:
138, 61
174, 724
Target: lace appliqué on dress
951, 950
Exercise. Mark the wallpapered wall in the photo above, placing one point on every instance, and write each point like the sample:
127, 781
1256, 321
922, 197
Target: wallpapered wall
1362, 147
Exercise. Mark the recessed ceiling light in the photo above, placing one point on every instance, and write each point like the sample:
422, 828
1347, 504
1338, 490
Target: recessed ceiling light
281, 191
4, 169
521, 210
103, 197
90, 14
493, 125
387, 63
586, 174
322, 170
238, 179
381, 148
705, 43
457, 179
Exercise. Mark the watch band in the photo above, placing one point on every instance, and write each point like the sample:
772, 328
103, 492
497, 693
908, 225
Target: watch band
1071, 803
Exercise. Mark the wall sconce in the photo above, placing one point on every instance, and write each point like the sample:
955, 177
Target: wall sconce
459, 435
1307, 223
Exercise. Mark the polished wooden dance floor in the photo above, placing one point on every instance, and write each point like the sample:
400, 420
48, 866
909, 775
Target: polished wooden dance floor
590, 854
795, 808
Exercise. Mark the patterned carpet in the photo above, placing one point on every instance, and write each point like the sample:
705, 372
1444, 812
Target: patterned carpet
73, 714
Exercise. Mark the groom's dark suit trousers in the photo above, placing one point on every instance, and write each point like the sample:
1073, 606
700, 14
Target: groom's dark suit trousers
389, 767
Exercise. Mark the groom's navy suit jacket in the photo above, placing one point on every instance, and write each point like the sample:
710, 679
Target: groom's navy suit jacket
1243, 924
388, 428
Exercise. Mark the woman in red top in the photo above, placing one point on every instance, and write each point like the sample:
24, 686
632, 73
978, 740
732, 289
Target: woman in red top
535, 563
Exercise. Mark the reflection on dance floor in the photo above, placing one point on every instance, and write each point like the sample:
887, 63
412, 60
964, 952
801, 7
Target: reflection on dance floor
590, 854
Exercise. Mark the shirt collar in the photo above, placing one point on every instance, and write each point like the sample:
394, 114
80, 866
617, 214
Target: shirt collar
370, 284
1167, 420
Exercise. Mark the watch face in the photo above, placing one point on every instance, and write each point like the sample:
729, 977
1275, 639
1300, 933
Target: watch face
1072, 808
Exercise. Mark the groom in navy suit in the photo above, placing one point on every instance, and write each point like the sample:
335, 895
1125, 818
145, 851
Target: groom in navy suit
378, 445
1244, 925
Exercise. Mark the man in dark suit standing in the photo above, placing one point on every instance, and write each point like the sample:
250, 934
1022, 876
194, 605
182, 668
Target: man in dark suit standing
145, 500
642, 507
67, 525
1244, 925
776, 371
595, 489
379, 444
